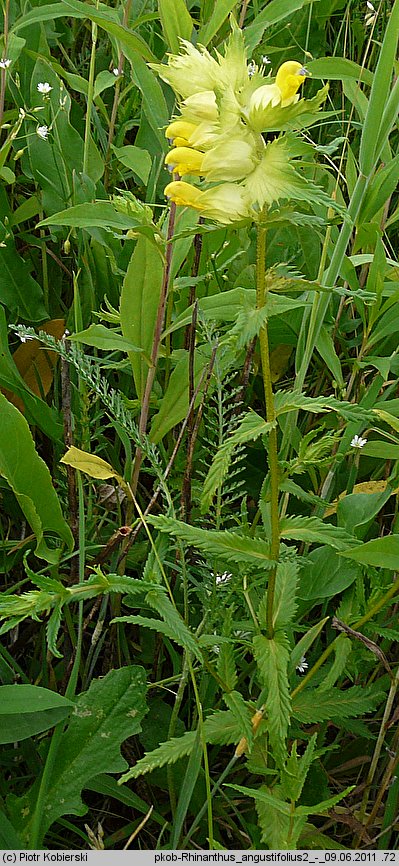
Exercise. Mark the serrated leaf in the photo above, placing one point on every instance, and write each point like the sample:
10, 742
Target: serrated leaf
236, 704
226, 665
272, 660
229, 546
313, 530
182, 638
104, 716
293, 775
284, 604
290, 401
251, 427
221, 728
315, 705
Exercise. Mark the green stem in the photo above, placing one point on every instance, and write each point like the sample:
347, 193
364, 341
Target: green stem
261, 297
36, 838
90, 95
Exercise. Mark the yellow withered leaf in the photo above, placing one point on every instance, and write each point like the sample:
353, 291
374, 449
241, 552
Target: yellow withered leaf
362, 487
90, 464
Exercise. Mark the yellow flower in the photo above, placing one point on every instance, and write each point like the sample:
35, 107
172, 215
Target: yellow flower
225, 203
181, 130
185, 160
230, 160
289, 78
200, 106
281, 94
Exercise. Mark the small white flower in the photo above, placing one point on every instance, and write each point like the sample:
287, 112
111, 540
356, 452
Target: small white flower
42, 132
21, 113
252, 68
116, 72
5, 63
303, 666
222, 578
44, 87
358, 442
266, 60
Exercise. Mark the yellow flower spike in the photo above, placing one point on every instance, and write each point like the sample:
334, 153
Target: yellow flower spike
180, 129
185, 160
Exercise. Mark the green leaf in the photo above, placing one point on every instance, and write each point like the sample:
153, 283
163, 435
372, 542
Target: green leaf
272, 659
220, 11
251, 427
284, 606
27, 710
176, 23
175, 402
316, 705
181, 636
91, 214
293, 775
229, 546
223, 307
139, 304
239, 709
19, 291
275, 11
104, 716
221, 728
381, 552
337, 68
135, 158
154, 103
313, 530
225, 664
325, 573
30, 480
301, 648
292, 400
9, 839
104, 338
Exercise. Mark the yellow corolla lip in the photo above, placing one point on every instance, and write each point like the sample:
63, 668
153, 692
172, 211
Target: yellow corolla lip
184, 160
180, 129
183, 194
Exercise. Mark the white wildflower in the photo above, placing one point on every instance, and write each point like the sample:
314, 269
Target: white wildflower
44, 87
42, 132
117, 72
220, 579
252, 68
266, 60
358, 442
303, 666
5, 63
